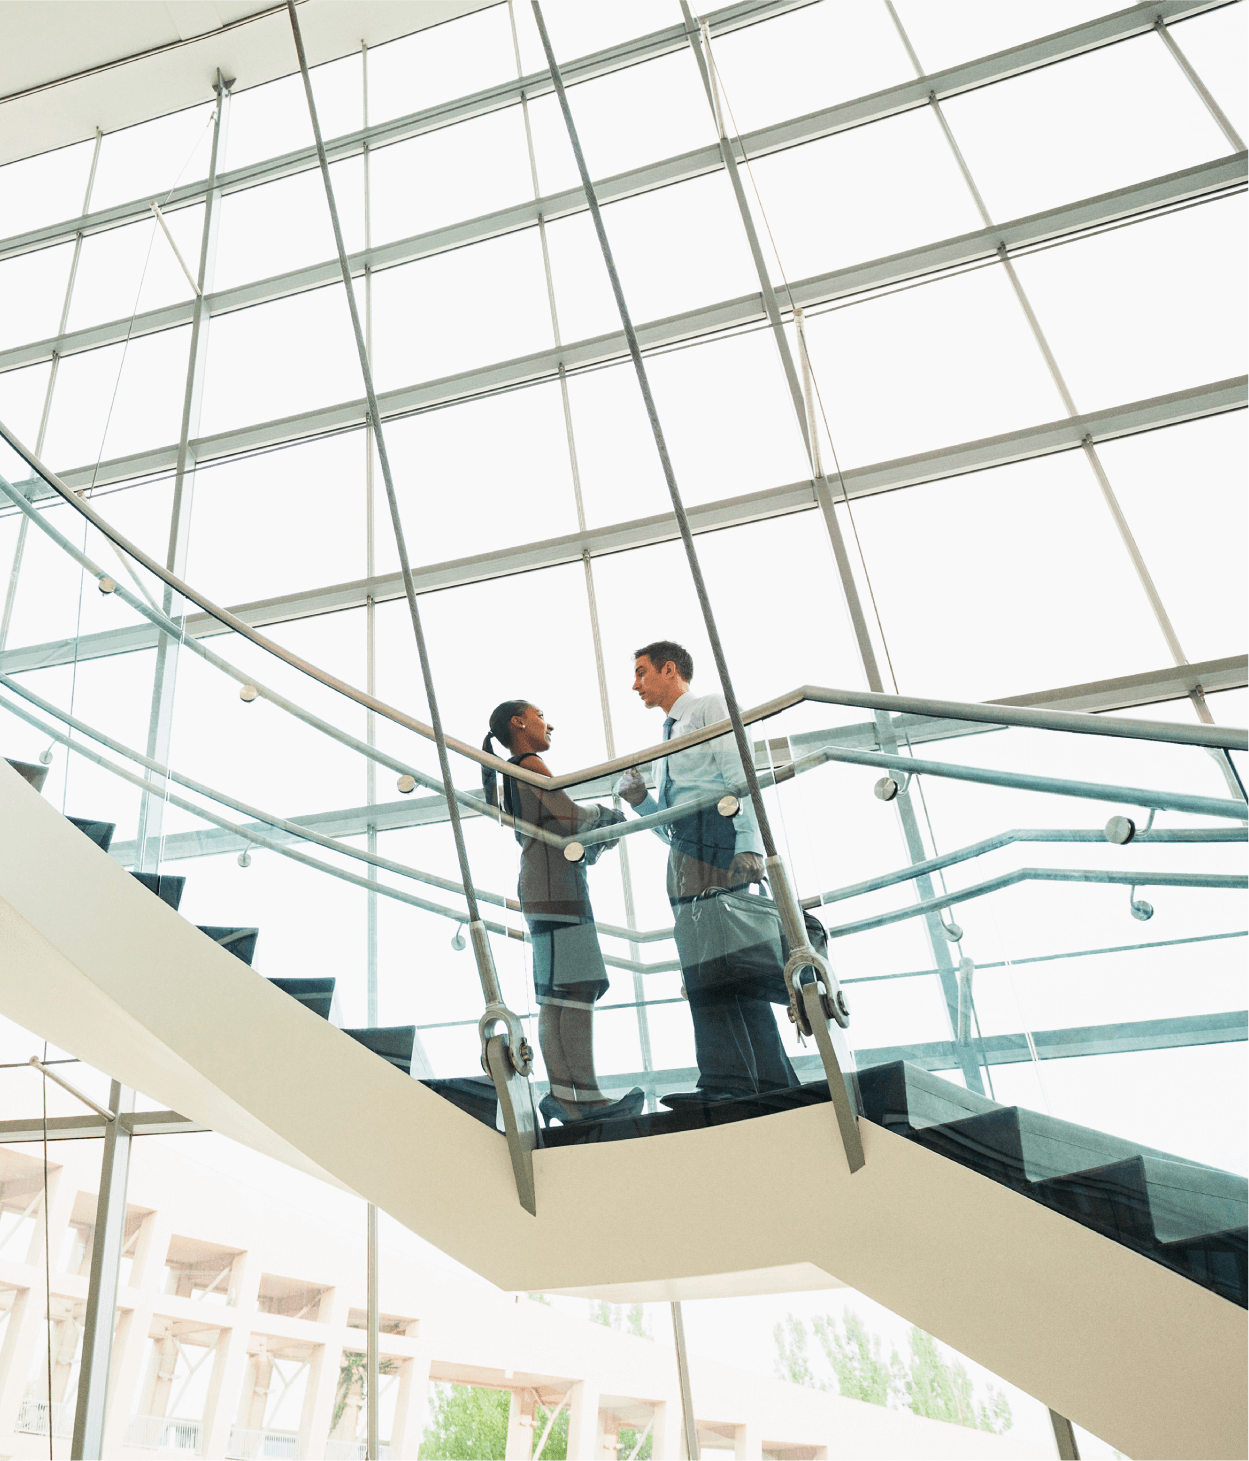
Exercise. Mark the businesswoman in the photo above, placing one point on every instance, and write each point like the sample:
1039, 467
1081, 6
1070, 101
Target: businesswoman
568, 971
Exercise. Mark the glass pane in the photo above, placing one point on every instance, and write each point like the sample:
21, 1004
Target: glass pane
1088, 297
1088, 125
154, 157
1212, 43
283, 499
656, 283
579, 30
1192, 554
130, 269
886, 392
33, 289
280, 358
457, 504
824, 207
808, 59
22, 394
474, 306
666, 111
269, 120
440, 62
1009, 527
118, 399
441, 177
949, 31
45, 189
286, 224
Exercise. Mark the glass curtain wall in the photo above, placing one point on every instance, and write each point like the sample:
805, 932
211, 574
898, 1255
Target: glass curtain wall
980, 265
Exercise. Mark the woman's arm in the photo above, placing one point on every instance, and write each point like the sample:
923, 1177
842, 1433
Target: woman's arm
556, 808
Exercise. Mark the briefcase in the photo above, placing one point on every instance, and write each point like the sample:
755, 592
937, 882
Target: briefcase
730, 940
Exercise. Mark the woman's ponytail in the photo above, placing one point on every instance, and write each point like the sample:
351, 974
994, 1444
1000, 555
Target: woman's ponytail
489, 781
500, 730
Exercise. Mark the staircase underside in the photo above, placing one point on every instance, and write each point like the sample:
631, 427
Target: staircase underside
93, 963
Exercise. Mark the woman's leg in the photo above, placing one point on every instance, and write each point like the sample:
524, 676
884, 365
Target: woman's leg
551, 1040
576, 1033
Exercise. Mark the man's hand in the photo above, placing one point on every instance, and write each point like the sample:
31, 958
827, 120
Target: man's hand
747, 867
631, 787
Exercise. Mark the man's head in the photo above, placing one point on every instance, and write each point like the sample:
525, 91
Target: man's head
662, 672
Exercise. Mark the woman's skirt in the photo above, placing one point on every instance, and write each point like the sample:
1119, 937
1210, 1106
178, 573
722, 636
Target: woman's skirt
566, 954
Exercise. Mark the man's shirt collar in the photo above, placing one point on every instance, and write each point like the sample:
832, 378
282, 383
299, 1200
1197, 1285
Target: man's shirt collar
682, 705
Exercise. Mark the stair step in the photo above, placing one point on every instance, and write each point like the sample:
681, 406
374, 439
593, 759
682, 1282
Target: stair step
472, 1093
1217, 1261
101, 833
393, 1043
241, 942
167, 886
901, 1095
1149, 1200
36, 775
316, 995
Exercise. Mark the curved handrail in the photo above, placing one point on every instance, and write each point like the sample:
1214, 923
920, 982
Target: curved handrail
1042, 875
1213, 737
1206, 880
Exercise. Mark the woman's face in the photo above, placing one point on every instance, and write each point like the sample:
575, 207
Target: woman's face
531, 730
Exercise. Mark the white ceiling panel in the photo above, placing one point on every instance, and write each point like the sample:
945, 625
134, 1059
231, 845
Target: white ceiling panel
70, 66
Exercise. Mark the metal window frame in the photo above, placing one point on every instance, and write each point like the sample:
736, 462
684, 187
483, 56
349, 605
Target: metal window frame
1024, 444
1077, 40
1206, 180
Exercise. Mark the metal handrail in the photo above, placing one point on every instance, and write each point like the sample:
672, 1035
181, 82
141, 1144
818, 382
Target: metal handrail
1075, 722
1042, 875
1006, 839
306, 834
1213, 834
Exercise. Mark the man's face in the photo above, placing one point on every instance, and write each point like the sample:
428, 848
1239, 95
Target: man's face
651, 684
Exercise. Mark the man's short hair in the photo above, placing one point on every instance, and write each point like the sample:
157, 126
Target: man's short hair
664, 651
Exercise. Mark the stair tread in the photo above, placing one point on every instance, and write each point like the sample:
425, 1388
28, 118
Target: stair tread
394, 1043
1051, 1147
168, 887
101, 833
241, 942
315, 994
36, 775
1174, 1211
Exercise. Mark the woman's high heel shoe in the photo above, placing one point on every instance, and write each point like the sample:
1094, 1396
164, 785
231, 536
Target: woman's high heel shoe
629, 1104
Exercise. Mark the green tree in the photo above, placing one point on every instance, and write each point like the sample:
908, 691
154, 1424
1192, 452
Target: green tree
631, 1320
556, 1448
855, 1358
929, 1384
467, 1423
942, 1389
627, 1441
791, 1354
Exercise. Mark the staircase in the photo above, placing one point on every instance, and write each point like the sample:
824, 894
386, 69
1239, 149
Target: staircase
1126, 1331
1189, 1217
394, 1043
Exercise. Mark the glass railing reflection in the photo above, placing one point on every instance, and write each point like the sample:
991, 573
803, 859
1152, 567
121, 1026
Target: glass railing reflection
969, 877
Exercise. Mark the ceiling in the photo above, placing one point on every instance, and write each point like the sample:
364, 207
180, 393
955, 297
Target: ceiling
70, 66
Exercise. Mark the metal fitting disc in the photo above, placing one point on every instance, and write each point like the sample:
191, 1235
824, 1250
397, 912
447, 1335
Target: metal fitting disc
1120, 830
406, 784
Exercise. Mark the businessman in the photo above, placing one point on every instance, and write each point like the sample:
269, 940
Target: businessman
736, 1040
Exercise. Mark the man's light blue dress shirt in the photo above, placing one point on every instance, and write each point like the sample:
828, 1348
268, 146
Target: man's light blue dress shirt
715, 765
